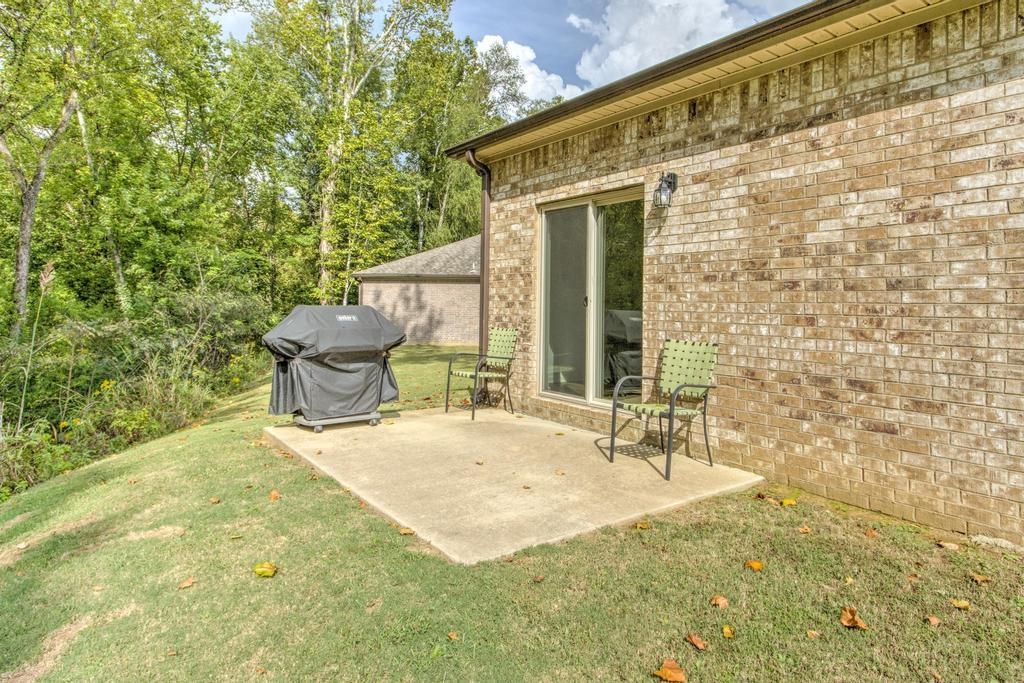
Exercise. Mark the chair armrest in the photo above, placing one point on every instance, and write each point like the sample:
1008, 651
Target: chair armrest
675, 393
618, 385
451, 359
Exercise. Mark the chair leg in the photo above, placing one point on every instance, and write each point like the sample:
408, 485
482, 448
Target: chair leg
707, 443
447, 388
476, 378
508, 393
661, 435
611, 448
668, 455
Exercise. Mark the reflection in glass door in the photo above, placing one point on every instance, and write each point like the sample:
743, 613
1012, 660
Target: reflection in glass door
592, 298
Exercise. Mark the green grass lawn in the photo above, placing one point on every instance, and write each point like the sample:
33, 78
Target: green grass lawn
91, 562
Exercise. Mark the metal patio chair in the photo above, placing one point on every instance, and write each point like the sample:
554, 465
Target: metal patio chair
495, 365
685, 380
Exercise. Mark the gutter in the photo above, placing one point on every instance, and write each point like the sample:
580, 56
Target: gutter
484, 171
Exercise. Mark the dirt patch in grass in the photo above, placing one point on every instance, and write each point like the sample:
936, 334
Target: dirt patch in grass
53, 646
169, 531
14, 520
13, 553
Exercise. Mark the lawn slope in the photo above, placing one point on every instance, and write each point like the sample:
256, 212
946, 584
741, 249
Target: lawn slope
91, 563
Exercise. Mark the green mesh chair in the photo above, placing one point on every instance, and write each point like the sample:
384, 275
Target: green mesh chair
495, 365
685, 380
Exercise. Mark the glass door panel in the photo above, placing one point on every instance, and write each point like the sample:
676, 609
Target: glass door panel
565, 301
620, 323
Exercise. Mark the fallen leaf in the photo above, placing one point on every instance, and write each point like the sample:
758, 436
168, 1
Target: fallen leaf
642, 525
788, 502
538, 579
812, 634
214, 500
373, 605
313, 476
261, 671
754, 565
319, 452
21, 546
979, 579
720, 601
848, 580
406, 531
275, 495
187, 583
804, 529
871, 533
525, 487
670, 671
362, 503
697, 641
772, 501
560, 472
849, 619
172, 653
235, 537
452, 635
265, 569
133, 481
933, 620
727, 631
948, 545
960, 604
559, 433
913, 578
479, 462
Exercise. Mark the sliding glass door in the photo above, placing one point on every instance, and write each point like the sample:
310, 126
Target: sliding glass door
592, 297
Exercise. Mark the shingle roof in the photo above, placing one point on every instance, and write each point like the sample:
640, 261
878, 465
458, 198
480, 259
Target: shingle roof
456, 260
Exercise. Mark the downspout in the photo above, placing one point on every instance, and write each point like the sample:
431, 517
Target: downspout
484, 172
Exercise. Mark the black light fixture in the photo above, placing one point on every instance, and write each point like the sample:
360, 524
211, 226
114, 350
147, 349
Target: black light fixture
663, 193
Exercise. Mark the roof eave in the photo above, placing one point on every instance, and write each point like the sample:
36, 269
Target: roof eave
796, 18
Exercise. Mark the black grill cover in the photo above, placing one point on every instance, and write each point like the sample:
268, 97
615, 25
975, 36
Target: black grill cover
332, 361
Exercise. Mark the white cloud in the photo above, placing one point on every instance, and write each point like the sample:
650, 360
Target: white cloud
538, 84
635, 34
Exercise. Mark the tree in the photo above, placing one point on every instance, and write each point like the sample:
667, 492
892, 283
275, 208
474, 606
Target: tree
340, 58
38, 98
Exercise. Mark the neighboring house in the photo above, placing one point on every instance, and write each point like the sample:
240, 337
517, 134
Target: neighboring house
433, 295
848, 226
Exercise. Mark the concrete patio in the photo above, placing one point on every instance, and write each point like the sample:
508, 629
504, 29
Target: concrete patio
480, 490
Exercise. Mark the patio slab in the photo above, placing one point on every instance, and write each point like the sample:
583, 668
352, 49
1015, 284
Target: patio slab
480, 490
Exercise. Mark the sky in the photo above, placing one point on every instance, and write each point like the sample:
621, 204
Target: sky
566, 47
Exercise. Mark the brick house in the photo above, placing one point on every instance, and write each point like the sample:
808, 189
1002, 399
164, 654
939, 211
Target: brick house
847, 225
434, 295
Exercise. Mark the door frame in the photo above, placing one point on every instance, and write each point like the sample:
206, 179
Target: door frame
594, 288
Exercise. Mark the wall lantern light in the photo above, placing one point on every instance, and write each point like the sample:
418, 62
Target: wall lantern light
663, 193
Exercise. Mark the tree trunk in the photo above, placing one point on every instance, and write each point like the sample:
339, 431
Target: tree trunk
26, 220
325, 247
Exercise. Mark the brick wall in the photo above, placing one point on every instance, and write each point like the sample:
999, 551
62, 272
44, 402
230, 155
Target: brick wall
429, 312
851, 231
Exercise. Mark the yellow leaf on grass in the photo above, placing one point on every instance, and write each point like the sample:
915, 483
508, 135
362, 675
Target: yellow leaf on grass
697, 641
933, 620
804, 529
727, 631
670, 671
452, 635
265, 569
871, 533
187, 583
275, 495
214, 500
788, 502
720, 601
812, 634
960, 604
979, 579
848, 618
642, 525
538, 579
754, 565
848, 580
406, 531
948, 545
